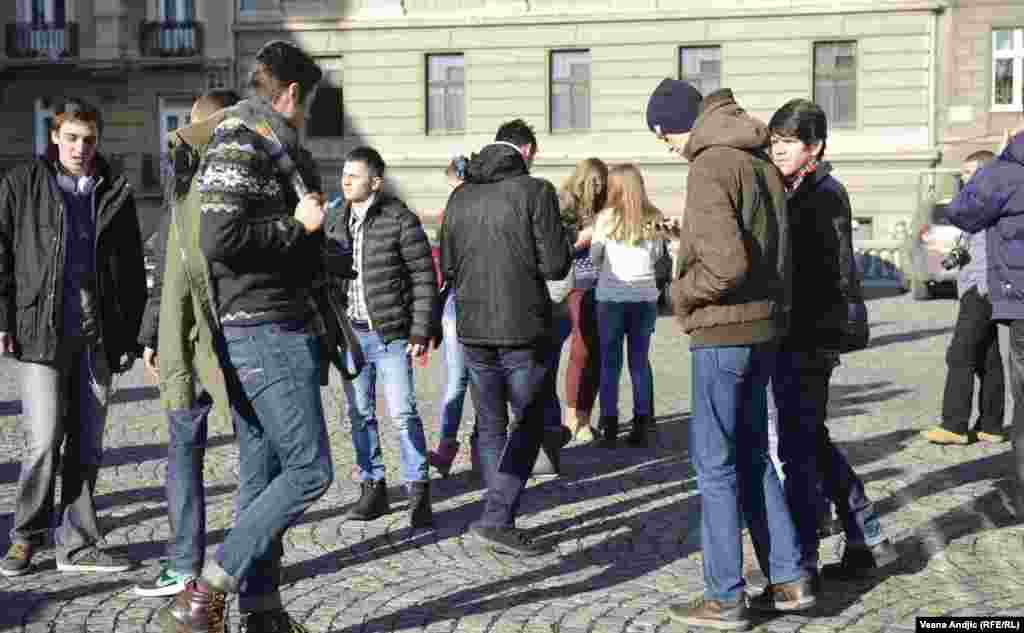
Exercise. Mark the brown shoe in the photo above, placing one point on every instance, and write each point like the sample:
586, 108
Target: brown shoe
939, 435
713, 614
992, 438
18, 560
195, 610
796, 595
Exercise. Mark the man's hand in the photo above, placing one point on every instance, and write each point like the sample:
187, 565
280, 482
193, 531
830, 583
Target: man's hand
6, 343
149, 361
416, 347
310, 212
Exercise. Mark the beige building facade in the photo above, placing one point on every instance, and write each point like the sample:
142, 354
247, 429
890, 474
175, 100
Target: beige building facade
141, 61
422, 80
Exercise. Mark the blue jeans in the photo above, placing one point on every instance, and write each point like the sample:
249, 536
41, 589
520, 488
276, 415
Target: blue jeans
457, 380
394, 365
616, 323
186, 495
729, 450
273, 373
812, 463
504, 379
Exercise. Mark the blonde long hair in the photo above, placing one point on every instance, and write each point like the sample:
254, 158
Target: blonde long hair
631, 215
579, 194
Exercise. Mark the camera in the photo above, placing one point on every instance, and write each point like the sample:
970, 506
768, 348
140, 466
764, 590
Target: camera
957, 257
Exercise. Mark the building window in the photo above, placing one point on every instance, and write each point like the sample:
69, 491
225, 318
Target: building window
835, 81
327, 112
1007, 69
174, 113
701, 67
178, 18
41, 27
41, 124
570, 90
446, 93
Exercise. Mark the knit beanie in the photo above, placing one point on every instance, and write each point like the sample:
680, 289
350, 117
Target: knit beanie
674, 106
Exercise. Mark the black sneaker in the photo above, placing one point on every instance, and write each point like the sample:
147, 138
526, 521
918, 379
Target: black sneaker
507, 540
713, 614
862, 562
275, 621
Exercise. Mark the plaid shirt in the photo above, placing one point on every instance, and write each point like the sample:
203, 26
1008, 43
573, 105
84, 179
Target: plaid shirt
357, 309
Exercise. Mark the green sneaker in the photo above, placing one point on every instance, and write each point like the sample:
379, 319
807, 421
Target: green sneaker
167, 583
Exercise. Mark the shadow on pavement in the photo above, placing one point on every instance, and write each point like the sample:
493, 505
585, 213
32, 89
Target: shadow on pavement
905, 337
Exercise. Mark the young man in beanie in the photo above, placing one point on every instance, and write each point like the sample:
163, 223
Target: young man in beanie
263, 244
72, 292
731, 297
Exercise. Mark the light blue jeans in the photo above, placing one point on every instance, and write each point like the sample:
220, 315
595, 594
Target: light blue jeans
457, 374
617, 323
393, 364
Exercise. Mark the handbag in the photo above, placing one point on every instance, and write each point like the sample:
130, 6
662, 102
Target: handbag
855, 331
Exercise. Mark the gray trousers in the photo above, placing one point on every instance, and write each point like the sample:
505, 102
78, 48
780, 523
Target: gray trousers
62, 404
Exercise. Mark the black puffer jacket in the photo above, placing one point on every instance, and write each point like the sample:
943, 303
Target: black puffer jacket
502, 239
825, 275
398, 270
32, 247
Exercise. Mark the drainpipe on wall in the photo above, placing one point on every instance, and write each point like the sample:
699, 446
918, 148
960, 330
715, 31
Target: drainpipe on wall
937, 65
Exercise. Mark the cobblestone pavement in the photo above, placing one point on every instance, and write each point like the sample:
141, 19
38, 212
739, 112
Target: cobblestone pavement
626, 522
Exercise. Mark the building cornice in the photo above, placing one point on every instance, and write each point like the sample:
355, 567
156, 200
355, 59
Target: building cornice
267, 21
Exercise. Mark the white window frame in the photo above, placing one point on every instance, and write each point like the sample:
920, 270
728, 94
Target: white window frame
446, 84
832, 122
41, 126
180, 106
700, 77
1017, 55
571, 82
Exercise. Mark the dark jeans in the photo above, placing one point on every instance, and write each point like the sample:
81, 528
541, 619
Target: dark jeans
974, 351
504, 381
186, 494
1017, 389
729, 449
284, 457
63, 404
811, 462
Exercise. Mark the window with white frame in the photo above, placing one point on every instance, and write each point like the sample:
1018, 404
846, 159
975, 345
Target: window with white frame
178, 17
41, 26
701, 67
570, 90
41, 123
174, 113
835, 82
446, 93
1007, 69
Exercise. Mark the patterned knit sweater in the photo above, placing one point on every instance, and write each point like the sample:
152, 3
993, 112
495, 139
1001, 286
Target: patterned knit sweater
262, 262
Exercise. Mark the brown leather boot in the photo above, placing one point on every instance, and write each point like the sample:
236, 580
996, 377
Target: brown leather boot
198, 609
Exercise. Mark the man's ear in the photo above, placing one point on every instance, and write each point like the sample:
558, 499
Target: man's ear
376, 183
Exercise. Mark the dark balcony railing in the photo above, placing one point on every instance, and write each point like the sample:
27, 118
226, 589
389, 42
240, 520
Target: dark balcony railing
54, 41
171, 39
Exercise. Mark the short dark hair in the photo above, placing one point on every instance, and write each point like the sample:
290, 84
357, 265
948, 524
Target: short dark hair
75, 109
370, 157
802, 119
518, 133
213, 100
981, 156
280, 63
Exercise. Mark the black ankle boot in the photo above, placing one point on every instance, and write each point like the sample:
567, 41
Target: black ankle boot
608, 426
373, 502
549, 460
642, 425
421, 514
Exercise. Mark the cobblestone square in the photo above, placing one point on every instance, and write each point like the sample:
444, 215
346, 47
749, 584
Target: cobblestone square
626, 521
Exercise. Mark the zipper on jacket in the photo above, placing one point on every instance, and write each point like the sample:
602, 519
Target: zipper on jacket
98, 299
58, 271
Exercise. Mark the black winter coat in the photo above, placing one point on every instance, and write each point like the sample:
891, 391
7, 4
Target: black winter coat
32, 247
501, 241
399, 280
825, 275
